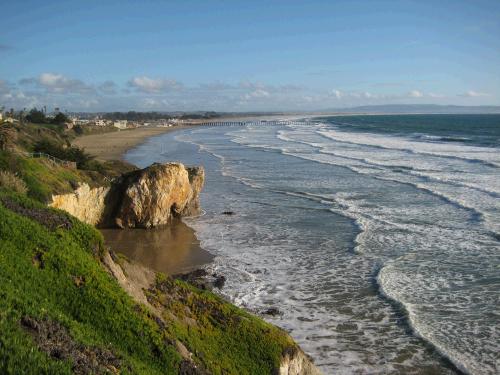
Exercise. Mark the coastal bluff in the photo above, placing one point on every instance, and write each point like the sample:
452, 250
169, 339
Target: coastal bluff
144, 198
151, 197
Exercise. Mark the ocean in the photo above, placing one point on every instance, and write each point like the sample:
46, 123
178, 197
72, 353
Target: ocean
376, 237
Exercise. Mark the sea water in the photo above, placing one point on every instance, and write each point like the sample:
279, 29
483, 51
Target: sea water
376, 237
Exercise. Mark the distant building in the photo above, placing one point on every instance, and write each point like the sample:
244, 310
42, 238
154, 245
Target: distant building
78, 121
120, 124
1, 116
100, 122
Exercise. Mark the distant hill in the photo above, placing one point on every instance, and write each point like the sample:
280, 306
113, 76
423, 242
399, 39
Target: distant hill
418, 108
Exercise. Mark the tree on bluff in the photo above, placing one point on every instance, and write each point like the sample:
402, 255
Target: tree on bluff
36, 116
60, 119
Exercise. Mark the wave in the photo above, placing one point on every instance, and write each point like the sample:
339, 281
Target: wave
472, 154
391, 245
432, 178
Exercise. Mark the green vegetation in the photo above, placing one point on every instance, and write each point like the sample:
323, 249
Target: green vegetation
54, 275
10, 181
61, 312
42, 177
70, 153
223, 337
55, 286
37, 116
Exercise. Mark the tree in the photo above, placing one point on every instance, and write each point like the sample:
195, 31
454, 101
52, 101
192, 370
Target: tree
36, 116
60, 119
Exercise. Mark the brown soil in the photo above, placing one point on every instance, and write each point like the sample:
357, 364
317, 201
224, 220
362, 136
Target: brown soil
54, 339
49, 219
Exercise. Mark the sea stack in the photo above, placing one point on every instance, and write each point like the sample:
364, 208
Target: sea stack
144, 198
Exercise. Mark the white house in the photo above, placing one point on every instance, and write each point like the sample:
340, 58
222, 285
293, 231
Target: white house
1, 116
120, 124
100, 122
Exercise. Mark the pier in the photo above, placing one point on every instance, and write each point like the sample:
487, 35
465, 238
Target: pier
256, 123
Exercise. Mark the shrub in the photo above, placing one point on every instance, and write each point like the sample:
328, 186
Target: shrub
10, 181
8, 137
69, 153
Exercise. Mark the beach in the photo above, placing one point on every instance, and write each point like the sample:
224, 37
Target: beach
172, 249
112, 146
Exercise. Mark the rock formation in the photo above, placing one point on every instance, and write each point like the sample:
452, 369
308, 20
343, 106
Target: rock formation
151, 196
144, 198
85, 203
296, 362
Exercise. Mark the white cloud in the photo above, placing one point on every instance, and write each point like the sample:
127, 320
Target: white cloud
415, 94
337, 94
154, 86
473, 94
436, 96
108, 87
257, 94
57, 83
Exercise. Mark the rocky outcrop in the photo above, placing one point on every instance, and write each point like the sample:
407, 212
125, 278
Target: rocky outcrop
143, 198
296, 362
151, 197
85, 203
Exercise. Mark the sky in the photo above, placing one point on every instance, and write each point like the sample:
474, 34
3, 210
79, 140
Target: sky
248, 55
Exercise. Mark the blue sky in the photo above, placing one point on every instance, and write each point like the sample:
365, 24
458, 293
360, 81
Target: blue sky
248, 55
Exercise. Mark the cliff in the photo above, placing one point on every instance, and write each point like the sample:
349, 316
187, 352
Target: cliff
71, 307
68, 306
143, 198
209, 334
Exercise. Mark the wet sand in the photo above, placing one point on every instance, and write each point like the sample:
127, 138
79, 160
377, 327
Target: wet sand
171, 249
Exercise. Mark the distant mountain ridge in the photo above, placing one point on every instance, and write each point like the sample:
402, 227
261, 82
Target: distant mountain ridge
418, 108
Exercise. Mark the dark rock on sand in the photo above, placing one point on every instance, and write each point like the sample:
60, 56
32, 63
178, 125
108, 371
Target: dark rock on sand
219, 281
272, 311
200, 278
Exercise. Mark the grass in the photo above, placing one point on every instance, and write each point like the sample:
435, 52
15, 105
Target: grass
42, 177
226, 339
61, 312
50, 272
97, 314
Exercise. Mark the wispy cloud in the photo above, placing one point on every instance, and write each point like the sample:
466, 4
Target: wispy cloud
146, 93
154, 86
415, 94
108, 87
256, 94
57, 83
473, 94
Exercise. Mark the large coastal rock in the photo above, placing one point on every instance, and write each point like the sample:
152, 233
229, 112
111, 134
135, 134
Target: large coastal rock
151, 197
144, 198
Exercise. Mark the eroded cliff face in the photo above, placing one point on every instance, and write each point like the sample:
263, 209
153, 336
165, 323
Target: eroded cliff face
144, 198
296, 362
85, 203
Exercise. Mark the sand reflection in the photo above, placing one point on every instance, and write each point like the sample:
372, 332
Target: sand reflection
169, 249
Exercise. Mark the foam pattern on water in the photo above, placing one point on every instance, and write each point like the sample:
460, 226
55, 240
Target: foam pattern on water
377, 250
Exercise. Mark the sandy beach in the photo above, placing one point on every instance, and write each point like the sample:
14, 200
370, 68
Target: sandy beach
172, 249
112, 146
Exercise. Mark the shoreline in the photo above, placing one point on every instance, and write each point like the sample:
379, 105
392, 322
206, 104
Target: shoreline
114, 145
173, 249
